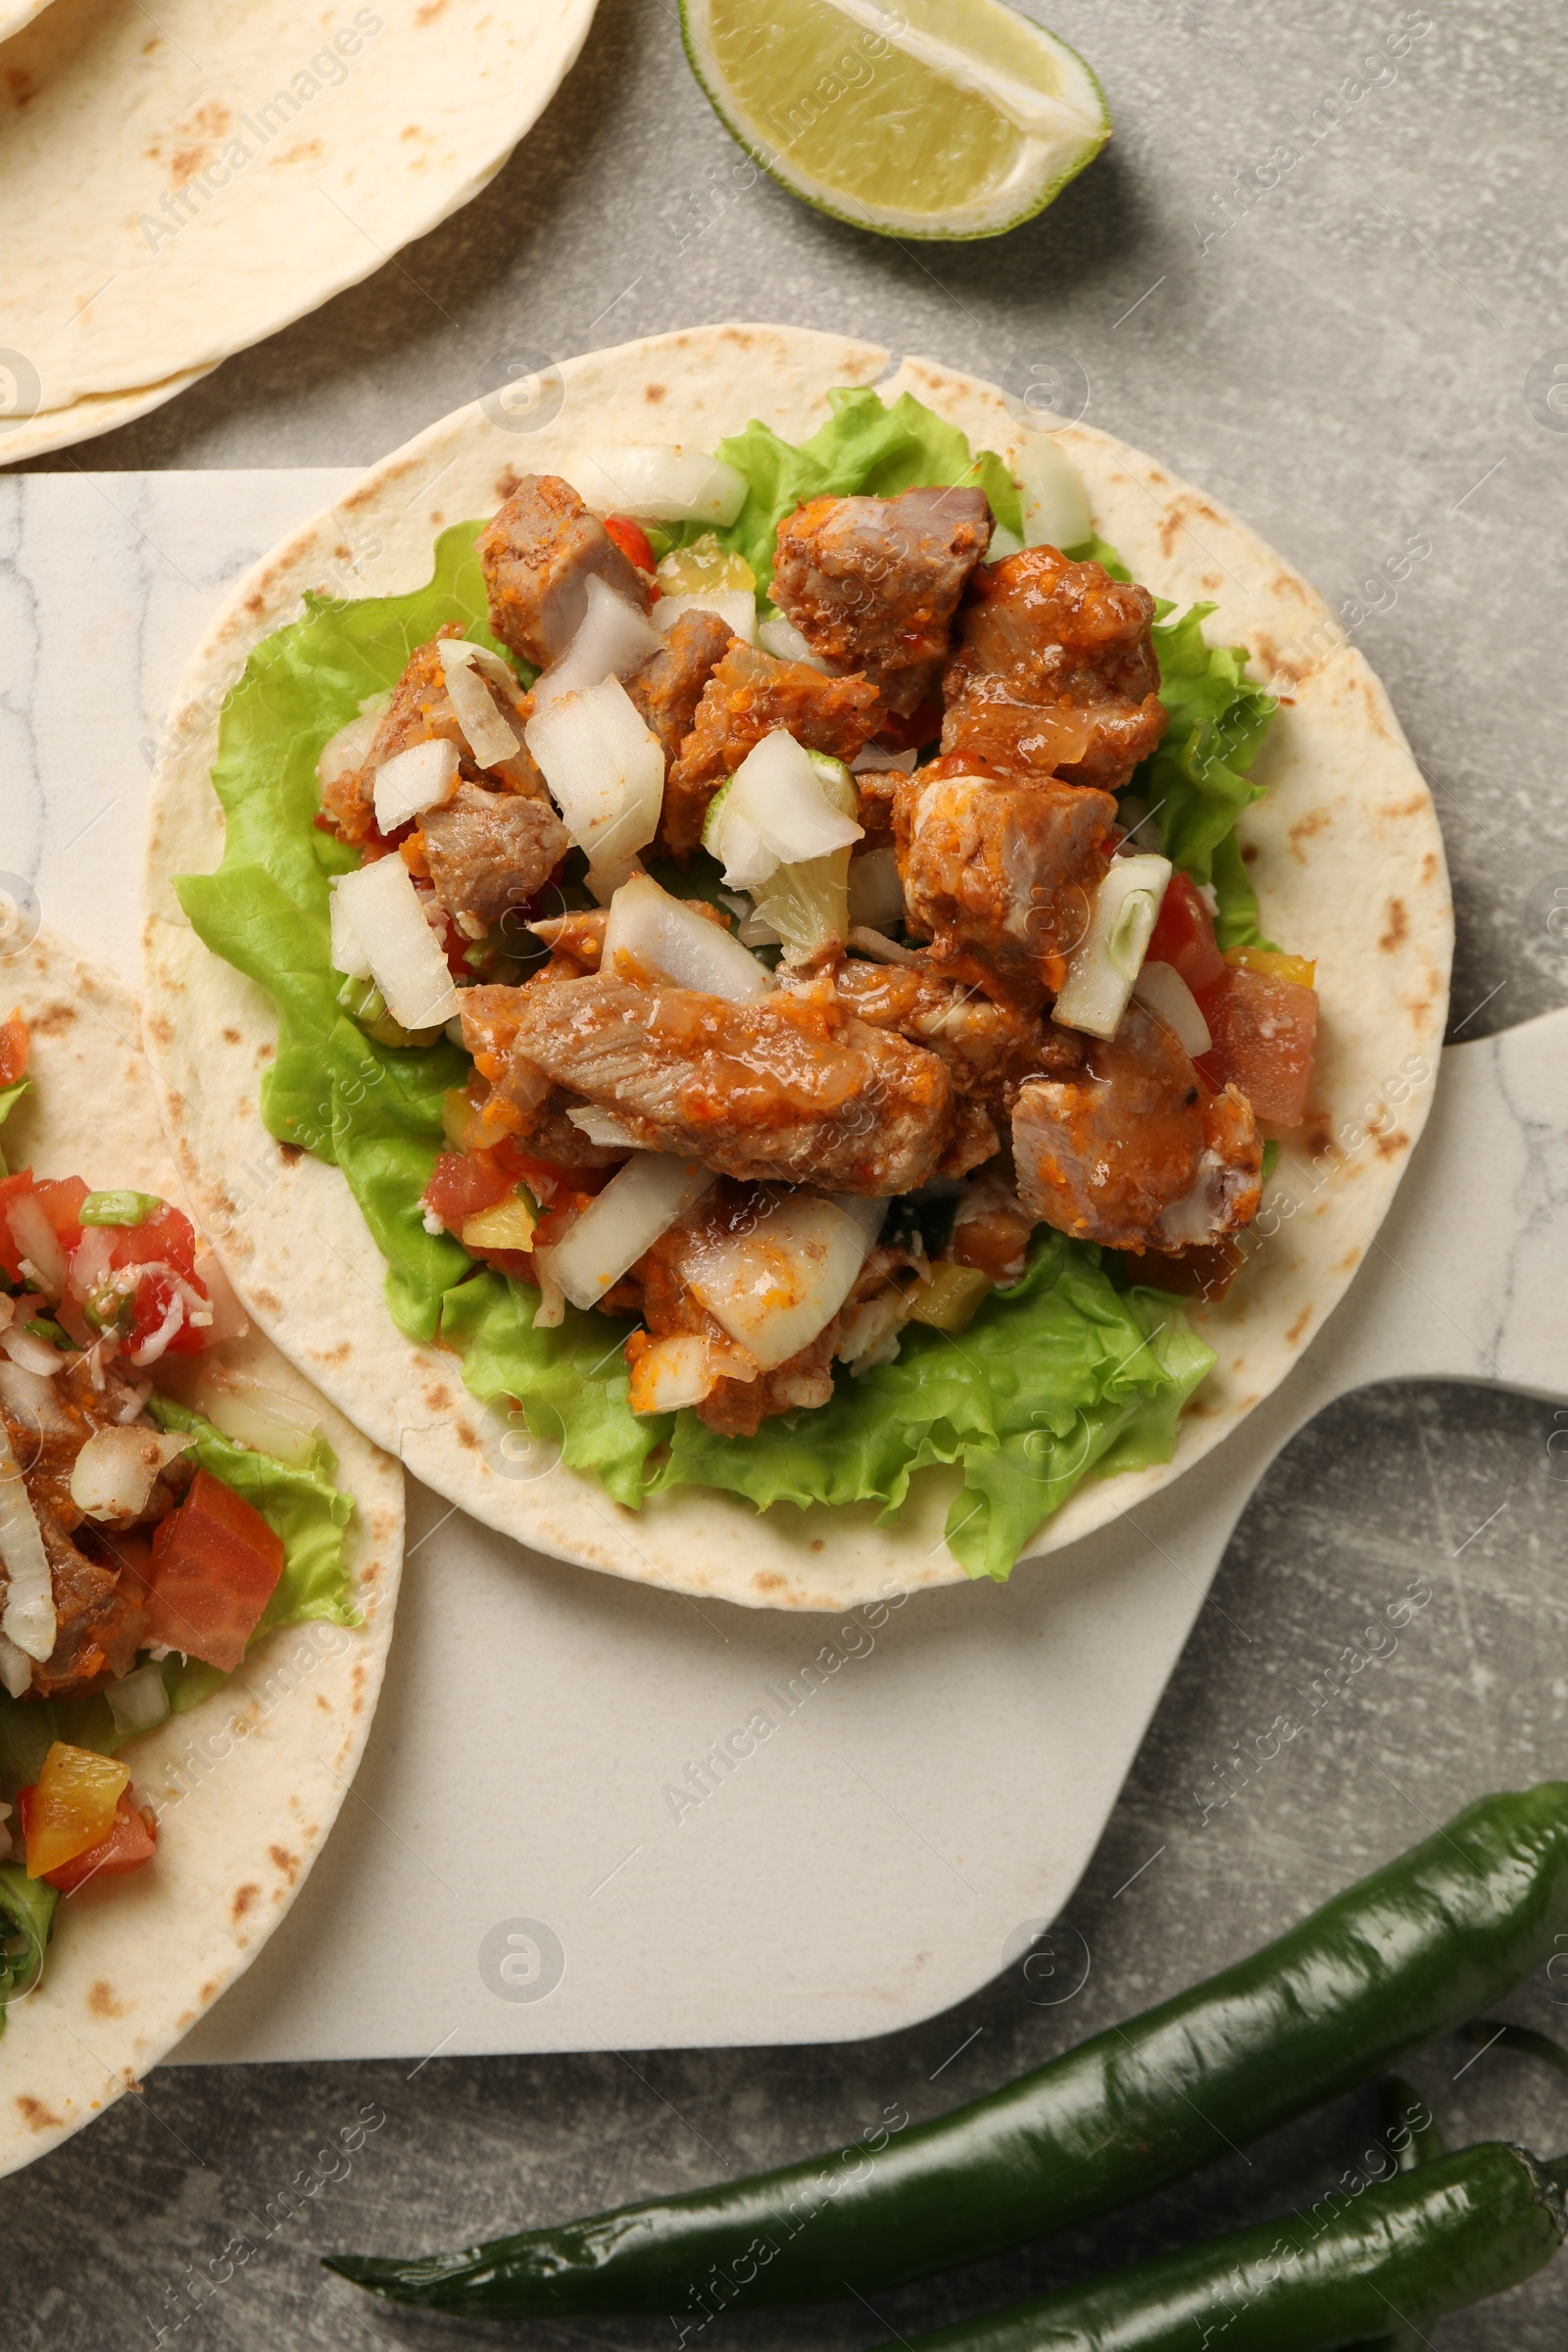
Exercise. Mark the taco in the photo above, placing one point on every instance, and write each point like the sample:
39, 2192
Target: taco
861, 977
198, 1568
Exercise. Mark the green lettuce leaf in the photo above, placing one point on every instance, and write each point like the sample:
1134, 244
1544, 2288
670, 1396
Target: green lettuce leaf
571, 1383
1064, 1376
865, 450
1197, 783
26, 1923
10, 1096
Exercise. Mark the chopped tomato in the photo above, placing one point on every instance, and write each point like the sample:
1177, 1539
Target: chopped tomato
465, 1183
10, 1187
13, 1049
71, 1807
1184, 937
1265, 1035
215, 1565
631, 539
61, 1201
131, 1840
167, 1238
153, 1298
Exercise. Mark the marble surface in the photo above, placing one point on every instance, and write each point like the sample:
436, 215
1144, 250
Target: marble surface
1360, 361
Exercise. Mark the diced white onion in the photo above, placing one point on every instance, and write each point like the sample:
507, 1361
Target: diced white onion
488, 732
612, 641
657, 481
38, 1244
783, 639
89, 1261
263, 1419
775, 811
677, 1371
1162, 989
16, 1676
872, 760
30, 1398
382, 907
876, 894
422, 778
605, 768
346, 954
154, 1346
657, 934
349, 749
114, 1472
29, 1611
1056, 506
139, 1701
1109, 958
736, 608
641, 1201
776, 1288
32, 1354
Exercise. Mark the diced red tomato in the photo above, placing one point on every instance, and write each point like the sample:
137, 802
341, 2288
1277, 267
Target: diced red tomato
1184, 937
215, 1564
166, 1238
1265, 1037
631, 539
13, 1049
10, 1187
61, 1201
151, 1301
131, 1842
464, 1183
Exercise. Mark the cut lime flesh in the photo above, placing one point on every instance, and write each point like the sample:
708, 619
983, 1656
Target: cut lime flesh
933, 118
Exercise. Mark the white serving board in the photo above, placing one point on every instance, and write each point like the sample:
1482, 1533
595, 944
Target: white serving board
519, 1866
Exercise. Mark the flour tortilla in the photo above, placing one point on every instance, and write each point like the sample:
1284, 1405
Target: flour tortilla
309, 142
248, 1784
1345, 849
14, 14
98, 412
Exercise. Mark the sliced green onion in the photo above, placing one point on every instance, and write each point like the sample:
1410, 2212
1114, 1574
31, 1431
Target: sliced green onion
44, 1327
117, 1208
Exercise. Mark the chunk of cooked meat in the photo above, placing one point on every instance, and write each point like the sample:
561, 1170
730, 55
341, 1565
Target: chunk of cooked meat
1055, 672
751, 695
99, 1614
976, 1137
789, 1088
669, 687
489, 850
873, 584
1002, 877
1135, 1152
421, 711
538, 555
988, 1048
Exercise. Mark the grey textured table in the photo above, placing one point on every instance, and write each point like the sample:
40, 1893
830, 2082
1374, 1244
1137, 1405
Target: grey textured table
1341, 313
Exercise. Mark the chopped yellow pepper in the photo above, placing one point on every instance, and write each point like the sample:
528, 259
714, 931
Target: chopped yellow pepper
948, 1300
72, 1806
1269, 964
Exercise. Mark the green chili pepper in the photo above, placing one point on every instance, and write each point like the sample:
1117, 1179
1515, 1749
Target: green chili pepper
117, 1208
1434, 2241
1405, 1956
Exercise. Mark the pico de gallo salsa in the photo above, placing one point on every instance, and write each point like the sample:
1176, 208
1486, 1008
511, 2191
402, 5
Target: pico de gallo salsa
118, 1551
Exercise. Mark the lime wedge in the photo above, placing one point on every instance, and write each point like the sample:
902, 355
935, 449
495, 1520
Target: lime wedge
914, 117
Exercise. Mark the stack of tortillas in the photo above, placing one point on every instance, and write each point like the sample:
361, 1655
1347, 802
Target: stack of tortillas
176, 188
